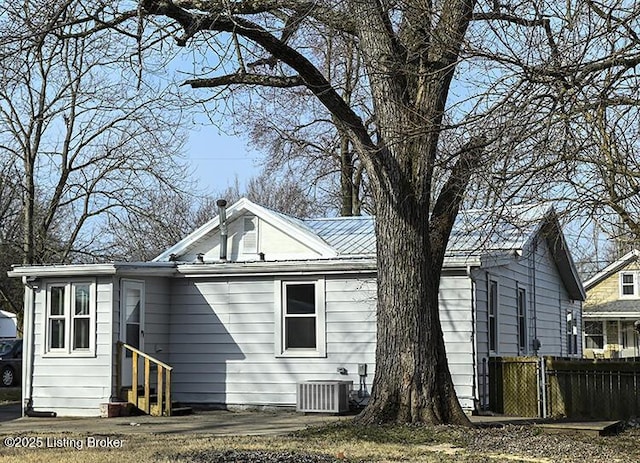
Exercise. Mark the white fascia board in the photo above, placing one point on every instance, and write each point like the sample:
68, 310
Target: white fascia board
610, 315
244, 205
461, 261
181, 246
335, 266
144, 268
611, 269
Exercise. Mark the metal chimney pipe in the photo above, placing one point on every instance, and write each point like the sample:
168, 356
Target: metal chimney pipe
222, 212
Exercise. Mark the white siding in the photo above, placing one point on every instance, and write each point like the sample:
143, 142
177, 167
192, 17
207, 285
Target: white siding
157, 316
547, 303
73, 386
456, 318
273, 242
222, 340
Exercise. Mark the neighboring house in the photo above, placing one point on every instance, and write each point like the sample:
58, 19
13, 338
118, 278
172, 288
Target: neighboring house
8, 324
612, 309
294, 300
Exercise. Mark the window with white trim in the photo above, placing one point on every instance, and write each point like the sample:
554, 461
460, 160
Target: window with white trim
493, 316
70, 317
572, 332
300, 313
56, 317
628, 284
522, 320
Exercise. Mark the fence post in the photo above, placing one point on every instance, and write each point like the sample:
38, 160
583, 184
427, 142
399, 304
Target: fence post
542, 387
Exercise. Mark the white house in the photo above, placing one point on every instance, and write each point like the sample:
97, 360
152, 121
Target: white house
612, 309
289, 300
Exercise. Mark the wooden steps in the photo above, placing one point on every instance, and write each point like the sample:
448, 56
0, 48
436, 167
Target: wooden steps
139, 401
140, 394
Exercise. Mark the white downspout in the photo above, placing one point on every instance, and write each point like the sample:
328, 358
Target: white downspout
27, 345
474, 317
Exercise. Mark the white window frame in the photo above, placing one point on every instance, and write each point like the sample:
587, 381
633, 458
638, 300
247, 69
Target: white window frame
634, 285
572, 332
495, 316
68, 317
281, 350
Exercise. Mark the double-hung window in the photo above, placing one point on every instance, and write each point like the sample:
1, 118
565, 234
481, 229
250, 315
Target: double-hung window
572, 332
300, 319
628, 285
522, 320
57, 317
70, 313
493, 316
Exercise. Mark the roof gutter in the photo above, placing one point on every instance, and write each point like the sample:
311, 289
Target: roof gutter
141, 269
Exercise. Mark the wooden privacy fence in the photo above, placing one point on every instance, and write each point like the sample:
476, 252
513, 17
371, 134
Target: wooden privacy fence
559, 387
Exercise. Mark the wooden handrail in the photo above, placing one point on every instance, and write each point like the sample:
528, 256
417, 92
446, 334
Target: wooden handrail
142, 354
164, 385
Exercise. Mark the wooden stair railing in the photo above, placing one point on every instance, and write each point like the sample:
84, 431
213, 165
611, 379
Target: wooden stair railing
163, 381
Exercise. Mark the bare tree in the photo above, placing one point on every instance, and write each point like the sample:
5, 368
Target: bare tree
307, 139
453, 85
88, 138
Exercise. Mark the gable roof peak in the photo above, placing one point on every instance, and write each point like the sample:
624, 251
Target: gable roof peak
612, 268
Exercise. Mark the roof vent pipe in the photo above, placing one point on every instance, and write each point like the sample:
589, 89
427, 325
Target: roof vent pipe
222, 212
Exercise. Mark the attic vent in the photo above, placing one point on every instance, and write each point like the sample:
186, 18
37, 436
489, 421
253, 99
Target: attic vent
250, 236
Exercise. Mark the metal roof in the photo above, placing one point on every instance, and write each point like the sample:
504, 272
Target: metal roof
347, 235
476, 231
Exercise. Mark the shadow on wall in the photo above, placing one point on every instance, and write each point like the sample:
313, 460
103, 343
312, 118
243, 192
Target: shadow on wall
200, 343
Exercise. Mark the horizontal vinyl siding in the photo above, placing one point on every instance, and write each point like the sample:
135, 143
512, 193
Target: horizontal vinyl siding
156, 317
222, 340
552, 304
69, 385
456, 318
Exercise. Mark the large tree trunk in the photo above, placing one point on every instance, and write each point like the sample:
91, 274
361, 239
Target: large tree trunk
412, 380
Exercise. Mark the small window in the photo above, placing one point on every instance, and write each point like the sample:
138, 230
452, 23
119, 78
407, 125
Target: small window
300, 308
572, 332
522, 320
493, 316
70, 318
628, 284
593, 335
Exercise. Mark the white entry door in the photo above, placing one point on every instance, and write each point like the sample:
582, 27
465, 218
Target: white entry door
131, 324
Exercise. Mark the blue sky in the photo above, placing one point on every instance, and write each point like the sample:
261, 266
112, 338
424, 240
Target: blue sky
217, 159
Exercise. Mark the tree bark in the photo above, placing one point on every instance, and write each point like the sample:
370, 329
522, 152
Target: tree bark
412, 381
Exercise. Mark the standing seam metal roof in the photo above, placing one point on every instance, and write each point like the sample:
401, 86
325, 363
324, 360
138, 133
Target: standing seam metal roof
476, 231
